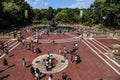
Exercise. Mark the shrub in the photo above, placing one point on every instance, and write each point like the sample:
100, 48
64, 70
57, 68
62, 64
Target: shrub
88, 23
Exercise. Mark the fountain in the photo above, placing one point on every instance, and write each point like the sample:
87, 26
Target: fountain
53, 27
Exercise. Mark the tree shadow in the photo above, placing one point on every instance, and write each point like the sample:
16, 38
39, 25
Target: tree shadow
3, 77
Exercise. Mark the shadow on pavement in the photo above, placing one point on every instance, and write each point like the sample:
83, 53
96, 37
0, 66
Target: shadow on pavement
7, 68
28, 66
43, 75
11, 66
3, 77
12, 55
2, 71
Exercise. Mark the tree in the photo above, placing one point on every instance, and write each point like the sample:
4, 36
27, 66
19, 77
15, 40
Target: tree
107, 12
12, 12
37, 16
62, 16
50, 13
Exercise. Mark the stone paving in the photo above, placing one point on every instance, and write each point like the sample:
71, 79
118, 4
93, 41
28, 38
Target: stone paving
61, 65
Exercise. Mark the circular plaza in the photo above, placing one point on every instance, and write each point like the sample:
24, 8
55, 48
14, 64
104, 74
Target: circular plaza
60, 64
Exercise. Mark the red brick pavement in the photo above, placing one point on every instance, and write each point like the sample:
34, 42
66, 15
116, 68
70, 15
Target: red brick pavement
91, 67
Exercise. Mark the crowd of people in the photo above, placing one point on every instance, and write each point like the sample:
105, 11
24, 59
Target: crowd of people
49, 63
38, 74
73, 53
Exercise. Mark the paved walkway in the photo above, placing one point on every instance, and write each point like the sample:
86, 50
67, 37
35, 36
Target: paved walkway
95, 63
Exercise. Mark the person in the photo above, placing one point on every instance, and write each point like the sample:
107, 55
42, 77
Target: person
65, 49
76, 46
29, 46
32, 48
80, 37
23, 42
50, 77
37, 70
6, 50
23, 62
47, 65
36, 75
37, 41
63, 32
2, 46
65, 55
49, 54
5, 62
72, 52
64, 76
60, 51
52, 41
50, 61
6, 44
38, 50
32, 70
14, 34
77, 59
72, 58
43, 61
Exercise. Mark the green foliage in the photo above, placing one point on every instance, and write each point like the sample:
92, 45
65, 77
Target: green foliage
36, 21
37, 14
12, 12
44, 21
50, 13
100, 1
62, 16
68, 16
102, 28
10, 6
107, 12
88, 23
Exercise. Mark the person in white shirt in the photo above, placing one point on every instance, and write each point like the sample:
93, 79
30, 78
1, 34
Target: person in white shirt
50, 77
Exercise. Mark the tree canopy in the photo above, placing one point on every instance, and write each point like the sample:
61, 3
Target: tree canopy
107, 12
104, 12
12, 12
